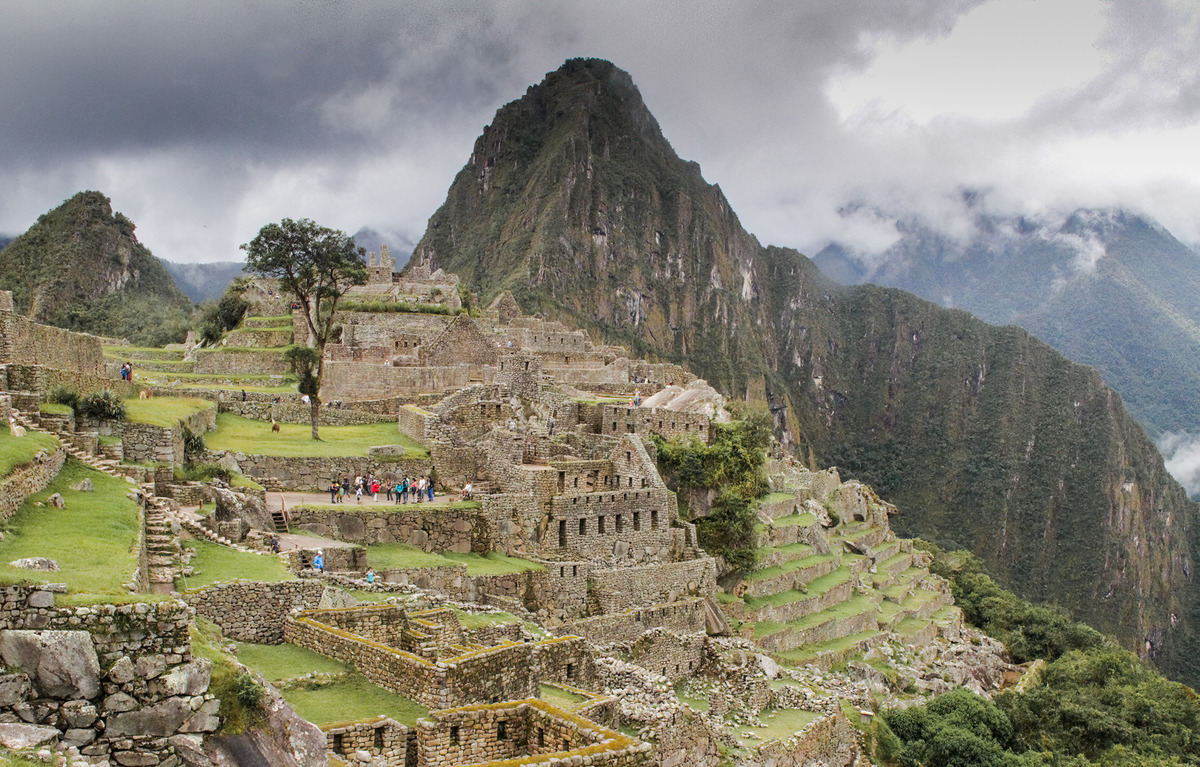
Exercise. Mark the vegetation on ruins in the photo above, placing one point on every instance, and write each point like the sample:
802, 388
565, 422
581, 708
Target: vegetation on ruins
1092, 703
80, 267
731, 466
316, 266
223, 315
398, 307
104, 404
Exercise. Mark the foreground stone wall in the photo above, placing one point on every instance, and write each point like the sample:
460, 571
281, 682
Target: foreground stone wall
217, 362
431, 528
116, 681
383, 738
254, 612
147, 443
624, 587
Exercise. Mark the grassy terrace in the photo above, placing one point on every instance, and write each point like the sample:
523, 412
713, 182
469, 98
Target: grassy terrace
93, 539
817, 587
387, 556
15, 451
213, 563
244, 435
164, 411
353, 697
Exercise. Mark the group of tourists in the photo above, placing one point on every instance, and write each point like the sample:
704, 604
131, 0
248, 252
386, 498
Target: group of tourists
398, 490
127, 371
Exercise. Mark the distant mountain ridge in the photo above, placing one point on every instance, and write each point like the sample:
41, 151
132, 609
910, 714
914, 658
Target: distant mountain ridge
204, 282
81, 267
1109, 288
983, 436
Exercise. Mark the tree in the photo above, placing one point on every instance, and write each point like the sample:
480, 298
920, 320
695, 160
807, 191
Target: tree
317, 266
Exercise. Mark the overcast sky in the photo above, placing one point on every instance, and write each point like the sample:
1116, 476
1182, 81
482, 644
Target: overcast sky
205, 120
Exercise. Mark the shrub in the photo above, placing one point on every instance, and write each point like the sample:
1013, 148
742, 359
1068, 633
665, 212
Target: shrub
65, 395
200, 472
103, 404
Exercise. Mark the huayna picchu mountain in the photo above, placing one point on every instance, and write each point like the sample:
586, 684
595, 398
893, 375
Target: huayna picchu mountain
984, 437
81, 267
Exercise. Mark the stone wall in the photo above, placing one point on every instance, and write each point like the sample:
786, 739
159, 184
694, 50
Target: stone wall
684, 617
353, 380
254, 612
147, 443
315, 474
218, 361
624, 587
431, 528
644, 421
384, 739
829, 740
514, 732
83, 382
259, 338
125, 679
462, 341
674, 655
606, 524
25, 342
26, 480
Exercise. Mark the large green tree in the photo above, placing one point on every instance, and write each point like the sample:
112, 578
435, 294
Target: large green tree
317, 266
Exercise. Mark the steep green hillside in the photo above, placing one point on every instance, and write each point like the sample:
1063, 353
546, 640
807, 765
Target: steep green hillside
985, 437
81, 267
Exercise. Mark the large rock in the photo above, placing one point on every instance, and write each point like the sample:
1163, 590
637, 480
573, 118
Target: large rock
233, 507
62, 664
19, 736
189, 679
160, 720
285, 740
35, 563
14, 688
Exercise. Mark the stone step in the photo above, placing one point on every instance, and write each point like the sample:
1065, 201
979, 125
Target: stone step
886, 550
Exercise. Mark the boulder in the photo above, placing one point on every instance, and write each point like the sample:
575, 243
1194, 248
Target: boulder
57, 501
14, 688
62, 664
35, 563
83, 486
233, 507
285, 740
188, 679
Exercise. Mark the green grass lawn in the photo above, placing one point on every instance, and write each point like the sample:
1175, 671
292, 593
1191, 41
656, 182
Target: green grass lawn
293, 440
15, 451
556, 696
356, 698
214, 563
476, 620
93, 539
55, 408
781, 724
387, 556
164, 411
285, 661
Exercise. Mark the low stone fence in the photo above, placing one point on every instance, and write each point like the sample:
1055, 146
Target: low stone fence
254, 612
26, 480
676, 656
298, 412
315, 474
829, 740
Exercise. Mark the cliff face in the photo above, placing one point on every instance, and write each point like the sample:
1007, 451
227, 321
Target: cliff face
984, 437
81, 267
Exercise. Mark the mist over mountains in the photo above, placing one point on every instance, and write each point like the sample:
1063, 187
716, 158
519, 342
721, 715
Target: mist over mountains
1109, 288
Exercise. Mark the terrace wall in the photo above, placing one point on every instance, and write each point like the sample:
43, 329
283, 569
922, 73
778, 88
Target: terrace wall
31, 478
218, 362
315, 473
254, 612
431, 528
354, 380
25, 342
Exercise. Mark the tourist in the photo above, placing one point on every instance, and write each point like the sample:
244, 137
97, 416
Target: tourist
370, 576
345, 486
420, 488
550, 423
334, 489
358, 492
375, 490
429, 487
388, 487
399, 488
466, 493
274, 544
319, 562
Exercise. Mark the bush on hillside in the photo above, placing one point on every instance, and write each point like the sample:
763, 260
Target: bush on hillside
64, 395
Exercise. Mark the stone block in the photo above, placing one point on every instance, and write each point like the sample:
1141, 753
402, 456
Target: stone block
63, 664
